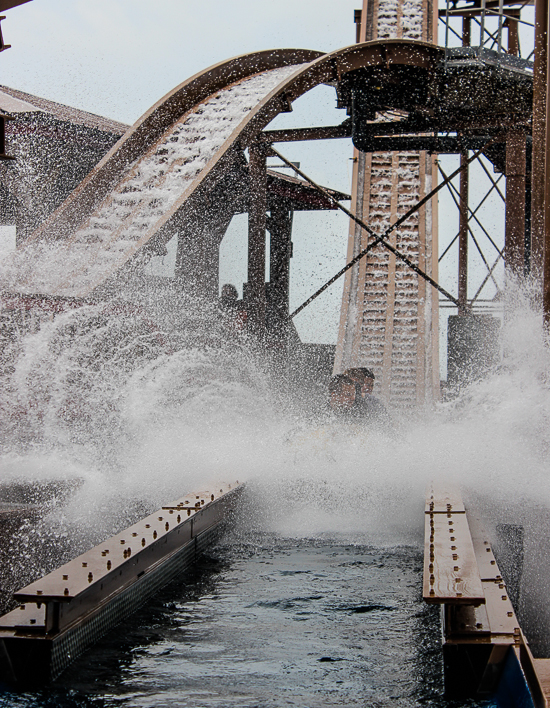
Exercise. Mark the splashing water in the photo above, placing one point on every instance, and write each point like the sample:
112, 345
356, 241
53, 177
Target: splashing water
110, 396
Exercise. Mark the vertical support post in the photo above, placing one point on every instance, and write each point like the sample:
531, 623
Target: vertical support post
515, 202
538, 161
546, 158
357, 19
482, 28
528, 233
463, 205
2, 136
255, 291
463, 237
280, 229
466, 31
513, 39
500, 24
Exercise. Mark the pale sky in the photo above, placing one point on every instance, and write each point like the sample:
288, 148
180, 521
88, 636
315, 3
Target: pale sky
118, 57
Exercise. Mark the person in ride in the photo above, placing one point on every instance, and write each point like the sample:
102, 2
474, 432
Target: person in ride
342, 396
369, 407
233, 308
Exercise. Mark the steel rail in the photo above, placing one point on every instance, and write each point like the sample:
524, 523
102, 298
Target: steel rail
379, 239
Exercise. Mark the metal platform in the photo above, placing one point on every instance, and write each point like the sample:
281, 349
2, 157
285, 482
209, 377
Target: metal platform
66, 611
485, 653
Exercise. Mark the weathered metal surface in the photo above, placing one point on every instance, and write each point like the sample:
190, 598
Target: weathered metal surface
450, 567
72, 607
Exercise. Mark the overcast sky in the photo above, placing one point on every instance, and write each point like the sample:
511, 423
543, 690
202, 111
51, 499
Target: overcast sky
118, 57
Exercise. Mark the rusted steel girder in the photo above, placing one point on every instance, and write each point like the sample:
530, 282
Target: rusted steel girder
539, 133
255, 289
515, 202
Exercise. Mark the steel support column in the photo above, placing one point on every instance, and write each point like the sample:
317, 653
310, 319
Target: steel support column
515, 202
255, 290
546, 157
279, 226
539, 133
513, 36
463, 237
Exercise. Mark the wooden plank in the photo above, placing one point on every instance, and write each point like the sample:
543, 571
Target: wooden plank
442, 497
451, 574
26, 617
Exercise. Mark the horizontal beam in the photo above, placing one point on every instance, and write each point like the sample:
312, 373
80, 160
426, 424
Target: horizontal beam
513, 13
443, 144
296, 134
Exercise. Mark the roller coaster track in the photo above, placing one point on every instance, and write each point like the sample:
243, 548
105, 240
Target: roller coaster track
159, 175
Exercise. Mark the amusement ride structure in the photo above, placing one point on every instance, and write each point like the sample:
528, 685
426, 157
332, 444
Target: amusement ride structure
199, 156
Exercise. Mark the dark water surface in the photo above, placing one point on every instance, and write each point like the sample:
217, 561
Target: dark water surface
271, 622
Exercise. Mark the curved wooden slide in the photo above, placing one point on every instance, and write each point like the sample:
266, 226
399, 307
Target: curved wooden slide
158, 177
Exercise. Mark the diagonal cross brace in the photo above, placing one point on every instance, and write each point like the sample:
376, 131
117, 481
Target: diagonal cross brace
379, 239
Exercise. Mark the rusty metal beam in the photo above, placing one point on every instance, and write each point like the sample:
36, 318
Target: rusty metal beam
463, 237
295, 134
255, 288
515, 202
